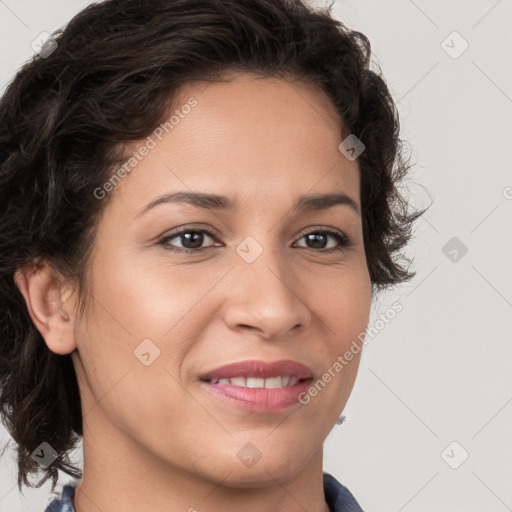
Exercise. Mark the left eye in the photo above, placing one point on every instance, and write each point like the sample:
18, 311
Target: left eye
192, 240
321, 237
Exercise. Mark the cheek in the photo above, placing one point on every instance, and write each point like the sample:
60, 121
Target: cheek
127, 308
150, 297
118, 388
345, 302
345, 311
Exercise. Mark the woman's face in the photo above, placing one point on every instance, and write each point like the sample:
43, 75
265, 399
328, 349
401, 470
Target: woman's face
258, 285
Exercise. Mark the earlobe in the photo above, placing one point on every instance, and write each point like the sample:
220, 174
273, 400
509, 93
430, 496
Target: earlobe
48, 302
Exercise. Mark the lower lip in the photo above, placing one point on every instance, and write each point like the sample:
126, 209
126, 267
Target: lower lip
259, 399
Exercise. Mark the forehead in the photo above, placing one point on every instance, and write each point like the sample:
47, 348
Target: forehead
249, 136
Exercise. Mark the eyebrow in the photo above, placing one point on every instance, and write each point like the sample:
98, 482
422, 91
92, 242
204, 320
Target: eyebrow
312, 202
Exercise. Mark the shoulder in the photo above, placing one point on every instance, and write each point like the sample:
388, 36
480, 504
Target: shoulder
63, 502
338, 497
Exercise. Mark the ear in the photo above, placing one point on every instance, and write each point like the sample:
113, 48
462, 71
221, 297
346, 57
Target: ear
48, 300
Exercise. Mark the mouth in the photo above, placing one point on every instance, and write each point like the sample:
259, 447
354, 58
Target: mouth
259, 386
253, 370
258, 382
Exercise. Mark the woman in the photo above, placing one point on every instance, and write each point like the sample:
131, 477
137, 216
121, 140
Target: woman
199, 204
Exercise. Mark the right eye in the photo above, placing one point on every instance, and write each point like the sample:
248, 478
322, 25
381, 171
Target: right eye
192, 239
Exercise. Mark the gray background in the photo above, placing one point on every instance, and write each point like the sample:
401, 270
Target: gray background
440, 371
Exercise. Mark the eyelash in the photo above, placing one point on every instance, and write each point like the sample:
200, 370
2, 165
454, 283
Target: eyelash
341, 238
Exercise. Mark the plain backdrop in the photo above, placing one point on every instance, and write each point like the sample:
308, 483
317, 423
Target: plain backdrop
428, 423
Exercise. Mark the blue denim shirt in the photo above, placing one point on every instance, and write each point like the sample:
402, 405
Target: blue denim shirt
337, 496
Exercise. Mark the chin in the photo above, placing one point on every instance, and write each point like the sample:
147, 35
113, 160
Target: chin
256, 478
263, 472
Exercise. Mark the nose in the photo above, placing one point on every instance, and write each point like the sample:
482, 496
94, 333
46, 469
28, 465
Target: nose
265, 298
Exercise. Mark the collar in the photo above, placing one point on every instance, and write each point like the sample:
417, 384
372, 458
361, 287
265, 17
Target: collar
338, 497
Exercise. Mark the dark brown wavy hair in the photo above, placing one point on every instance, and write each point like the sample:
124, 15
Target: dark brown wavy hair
109, 82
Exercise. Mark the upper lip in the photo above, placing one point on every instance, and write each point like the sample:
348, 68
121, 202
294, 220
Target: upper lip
260, 369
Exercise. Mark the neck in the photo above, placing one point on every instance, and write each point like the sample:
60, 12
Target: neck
120, 475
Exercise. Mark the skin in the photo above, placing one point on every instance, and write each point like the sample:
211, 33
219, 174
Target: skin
153, 438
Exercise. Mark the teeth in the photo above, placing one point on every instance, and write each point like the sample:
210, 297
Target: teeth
274, 382
253, 382
237, 381
257, 382
293, 381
